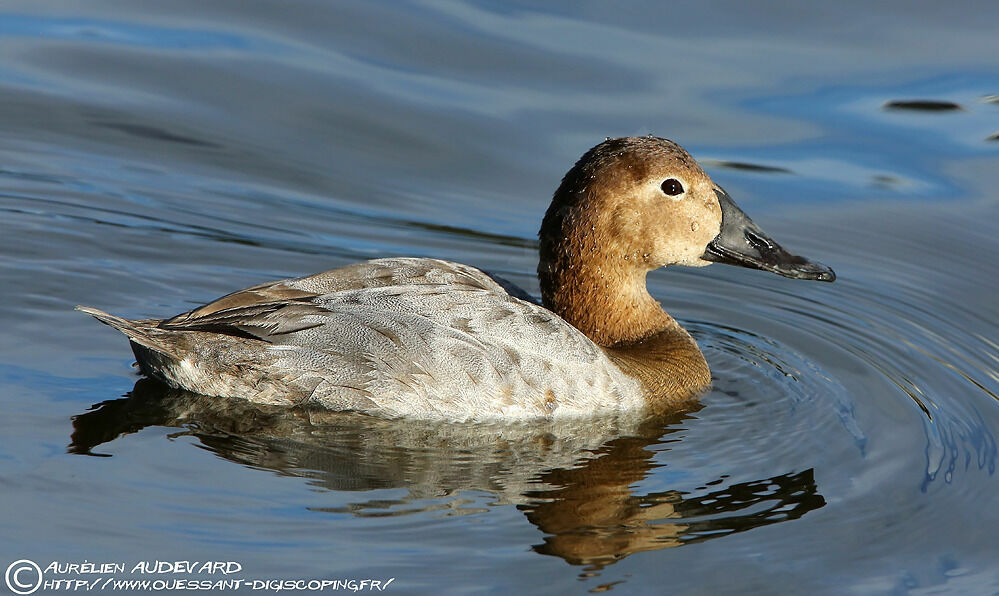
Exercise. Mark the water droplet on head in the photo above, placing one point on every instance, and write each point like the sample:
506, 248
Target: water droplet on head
693, 226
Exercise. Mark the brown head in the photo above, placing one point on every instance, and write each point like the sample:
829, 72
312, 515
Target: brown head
629, 206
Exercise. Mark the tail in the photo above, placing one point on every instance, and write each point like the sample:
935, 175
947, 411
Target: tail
137, 331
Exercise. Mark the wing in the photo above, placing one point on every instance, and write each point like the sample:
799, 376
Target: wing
287, 306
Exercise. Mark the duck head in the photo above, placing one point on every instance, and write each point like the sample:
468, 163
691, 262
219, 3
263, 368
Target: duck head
631, 205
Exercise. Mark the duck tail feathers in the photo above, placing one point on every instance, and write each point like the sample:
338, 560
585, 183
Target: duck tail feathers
140, 332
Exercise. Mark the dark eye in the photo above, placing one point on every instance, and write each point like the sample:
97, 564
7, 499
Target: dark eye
672, 187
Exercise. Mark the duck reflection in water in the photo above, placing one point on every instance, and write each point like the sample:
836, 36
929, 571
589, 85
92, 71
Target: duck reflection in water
575, 481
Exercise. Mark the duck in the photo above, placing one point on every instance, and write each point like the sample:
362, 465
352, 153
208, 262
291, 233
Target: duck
434, 339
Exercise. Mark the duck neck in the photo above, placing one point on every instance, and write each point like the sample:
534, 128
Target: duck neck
603, 296
614, 309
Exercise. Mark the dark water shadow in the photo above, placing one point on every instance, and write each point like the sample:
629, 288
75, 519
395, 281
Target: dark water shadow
923, 105
155, 133
746, 166
576, 482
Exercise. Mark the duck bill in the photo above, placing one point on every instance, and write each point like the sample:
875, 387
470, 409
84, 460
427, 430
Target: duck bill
742, 242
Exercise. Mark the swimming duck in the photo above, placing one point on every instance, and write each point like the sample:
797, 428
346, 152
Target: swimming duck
430, 338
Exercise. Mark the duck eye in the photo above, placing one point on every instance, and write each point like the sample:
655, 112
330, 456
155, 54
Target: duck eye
672, 187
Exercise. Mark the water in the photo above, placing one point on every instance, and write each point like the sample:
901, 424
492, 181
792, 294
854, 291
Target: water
153, 158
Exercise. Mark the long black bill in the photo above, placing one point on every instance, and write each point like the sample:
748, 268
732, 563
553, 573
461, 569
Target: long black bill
742, 242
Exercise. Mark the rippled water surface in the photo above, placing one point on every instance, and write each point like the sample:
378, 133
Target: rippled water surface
155, 157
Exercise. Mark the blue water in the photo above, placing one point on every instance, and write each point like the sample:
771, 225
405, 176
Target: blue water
155, 157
